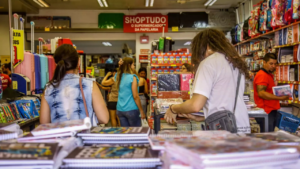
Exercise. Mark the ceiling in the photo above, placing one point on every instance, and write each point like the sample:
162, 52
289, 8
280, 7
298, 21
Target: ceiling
29, 6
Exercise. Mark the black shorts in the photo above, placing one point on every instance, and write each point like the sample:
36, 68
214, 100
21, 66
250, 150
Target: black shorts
112, 105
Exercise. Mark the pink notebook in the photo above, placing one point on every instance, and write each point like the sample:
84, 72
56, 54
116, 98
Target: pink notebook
26, 68
184, 81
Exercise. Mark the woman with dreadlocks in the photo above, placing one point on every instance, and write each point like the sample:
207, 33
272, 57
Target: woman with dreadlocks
218, 87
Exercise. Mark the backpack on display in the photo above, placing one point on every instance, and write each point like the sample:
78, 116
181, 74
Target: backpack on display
288, 15
246, 29
280, 10
237, 33
263, 16
296, 9
232, 33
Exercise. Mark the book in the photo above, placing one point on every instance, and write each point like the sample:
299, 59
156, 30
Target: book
31, 137
112, 157
296, 33
284, 90
281, 137
295, 53
292, 74
116, 132
281, 73
19, 154
296, 92
62, 127
277, 73
6, 135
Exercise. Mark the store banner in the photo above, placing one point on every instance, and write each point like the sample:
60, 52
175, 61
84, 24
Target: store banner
18, 45
145, 23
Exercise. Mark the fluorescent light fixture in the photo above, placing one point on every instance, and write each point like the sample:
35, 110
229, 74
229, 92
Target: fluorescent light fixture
105, 3
151, 3
41, 3
187, 43
100, 3
208, 2
106, 44
147, 3
212, 2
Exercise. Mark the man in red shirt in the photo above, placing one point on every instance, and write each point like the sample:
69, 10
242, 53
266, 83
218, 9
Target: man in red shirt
263, 92
6, 81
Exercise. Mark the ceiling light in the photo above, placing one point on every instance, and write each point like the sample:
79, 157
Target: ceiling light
151, 3
41, 3
147, 3
208, 2
106, 44
212, 2
187, 43
105, 3
100, 3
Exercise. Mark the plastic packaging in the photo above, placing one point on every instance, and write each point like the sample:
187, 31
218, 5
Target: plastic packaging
27, 108
168, 82
164, 104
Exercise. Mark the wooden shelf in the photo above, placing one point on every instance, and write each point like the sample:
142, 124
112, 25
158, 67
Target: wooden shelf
288, 45
268, 33
154, 79
288, 82
288, 63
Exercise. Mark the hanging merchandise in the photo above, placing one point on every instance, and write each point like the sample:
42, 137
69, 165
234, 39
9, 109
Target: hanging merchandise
295, 9
51, 66
279, 12
288, 15
253, 22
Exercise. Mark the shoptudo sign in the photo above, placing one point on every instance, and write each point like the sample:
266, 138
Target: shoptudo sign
151, 23
18, 45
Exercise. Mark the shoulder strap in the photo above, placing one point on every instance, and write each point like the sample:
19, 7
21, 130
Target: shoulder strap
237, 90
83, 98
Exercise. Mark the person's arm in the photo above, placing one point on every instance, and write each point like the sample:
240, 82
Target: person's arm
99, 105
45, 111
261, 91
135, 93
146, 87
108, 82
194, 105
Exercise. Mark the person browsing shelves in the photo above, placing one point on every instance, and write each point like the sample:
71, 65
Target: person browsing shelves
263, 93
219, 84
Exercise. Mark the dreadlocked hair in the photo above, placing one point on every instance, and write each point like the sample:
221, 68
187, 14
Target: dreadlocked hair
217, 42
125, 68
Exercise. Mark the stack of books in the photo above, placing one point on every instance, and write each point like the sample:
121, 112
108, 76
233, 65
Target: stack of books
112, 157
115, 135
281, 137
230, 152
29, 155
55, 132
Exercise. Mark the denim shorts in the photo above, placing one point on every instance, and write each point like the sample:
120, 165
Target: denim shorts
130, 118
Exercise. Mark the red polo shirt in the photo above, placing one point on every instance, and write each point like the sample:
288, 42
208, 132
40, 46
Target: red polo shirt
265, 79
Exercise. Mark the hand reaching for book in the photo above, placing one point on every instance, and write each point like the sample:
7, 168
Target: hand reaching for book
170, 117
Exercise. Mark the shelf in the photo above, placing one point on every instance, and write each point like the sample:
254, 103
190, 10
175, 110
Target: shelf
290, 102
155, 65
153, 95
288, 82
154, 79
268, 33
288, 45
288, 63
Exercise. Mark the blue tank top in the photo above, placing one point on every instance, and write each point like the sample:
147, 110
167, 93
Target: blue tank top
66, 102
125, 99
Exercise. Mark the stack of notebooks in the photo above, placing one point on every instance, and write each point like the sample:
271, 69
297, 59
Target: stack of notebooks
55, 132
230, 152
29, 155
281, 137
112, 157
115, 135
9, 131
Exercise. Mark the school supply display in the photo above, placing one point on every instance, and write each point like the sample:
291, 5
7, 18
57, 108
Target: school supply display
44, 138
62, 127
281, 137
6, 135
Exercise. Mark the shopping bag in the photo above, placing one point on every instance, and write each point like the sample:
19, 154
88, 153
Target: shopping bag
144, 123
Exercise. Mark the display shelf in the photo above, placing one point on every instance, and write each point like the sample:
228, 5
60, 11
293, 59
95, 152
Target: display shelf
288, 63
154, 78
288, 45
156, 65
288, 82
267, 33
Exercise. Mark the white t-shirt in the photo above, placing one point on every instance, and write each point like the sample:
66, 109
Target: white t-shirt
217, 80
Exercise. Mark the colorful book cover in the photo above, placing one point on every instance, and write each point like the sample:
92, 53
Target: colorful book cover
178, 58
184, 59
296, 92
10, 113
120, 130
28, 151
15, 109
296, 33
160, 59
2, 116
153, 59
8, 117
166, 70
172, 59
166, 59
290, 38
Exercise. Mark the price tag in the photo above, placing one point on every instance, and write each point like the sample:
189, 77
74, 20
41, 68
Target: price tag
296, 101
283, 81
175, 29
290, 101
173, 65
15, 85
289, 82
47, 29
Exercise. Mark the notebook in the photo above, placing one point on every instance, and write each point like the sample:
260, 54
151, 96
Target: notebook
116, 132
112, 157
62, 127
6, 135
29, 136
27, 153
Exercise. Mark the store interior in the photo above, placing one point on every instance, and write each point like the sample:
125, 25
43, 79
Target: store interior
158, 36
